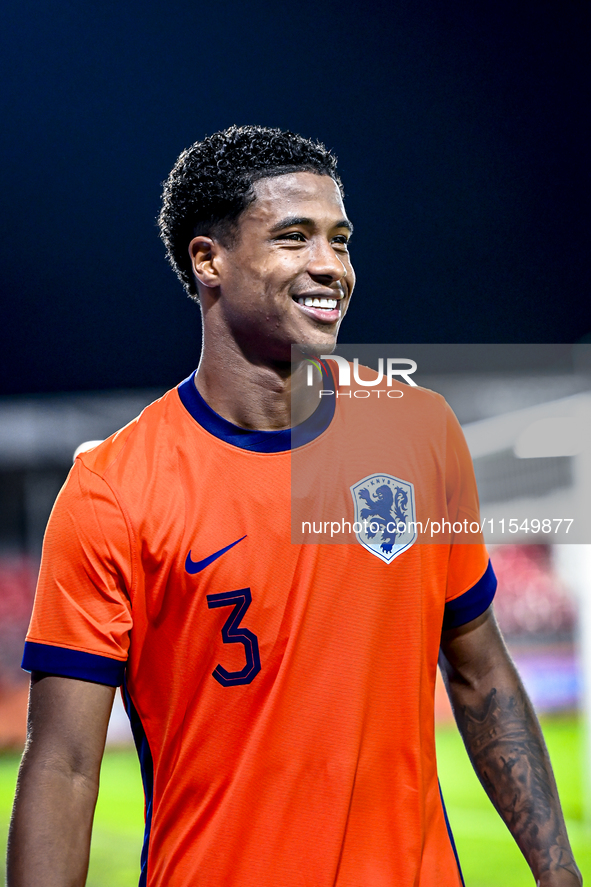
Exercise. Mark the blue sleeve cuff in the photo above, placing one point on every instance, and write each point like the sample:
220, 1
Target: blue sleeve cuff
73, 664
472, 603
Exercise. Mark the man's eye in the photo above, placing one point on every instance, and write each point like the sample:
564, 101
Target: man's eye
341, 239
292, 235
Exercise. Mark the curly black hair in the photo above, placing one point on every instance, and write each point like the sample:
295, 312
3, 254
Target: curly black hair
211, 184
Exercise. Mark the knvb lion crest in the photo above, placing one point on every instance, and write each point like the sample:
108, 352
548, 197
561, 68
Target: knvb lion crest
385, 521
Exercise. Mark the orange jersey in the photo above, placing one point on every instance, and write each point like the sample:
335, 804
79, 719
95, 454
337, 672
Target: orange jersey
281, 693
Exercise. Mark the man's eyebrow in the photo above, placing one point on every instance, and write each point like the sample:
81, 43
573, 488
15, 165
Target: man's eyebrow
345, 223
290, 221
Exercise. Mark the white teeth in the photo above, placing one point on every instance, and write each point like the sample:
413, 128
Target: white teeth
317, 303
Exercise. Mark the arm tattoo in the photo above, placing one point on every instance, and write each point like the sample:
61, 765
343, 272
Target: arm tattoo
507, 751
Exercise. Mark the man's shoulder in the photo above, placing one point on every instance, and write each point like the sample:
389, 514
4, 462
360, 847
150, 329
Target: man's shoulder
144, 434
365, 381
410, 403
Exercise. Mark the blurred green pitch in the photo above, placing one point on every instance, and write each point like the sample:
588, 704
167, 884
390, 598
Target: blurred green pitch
487, 853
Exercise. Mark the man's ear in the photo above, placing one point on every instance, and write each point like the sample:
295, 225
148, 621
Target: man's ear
204, 254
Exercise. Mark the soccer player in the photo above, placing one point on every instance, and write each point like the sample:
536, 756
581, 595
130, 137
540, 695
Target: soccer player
280, 694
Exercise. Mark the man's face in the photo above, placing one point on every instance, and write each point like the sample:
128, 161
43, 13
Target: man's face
288, 277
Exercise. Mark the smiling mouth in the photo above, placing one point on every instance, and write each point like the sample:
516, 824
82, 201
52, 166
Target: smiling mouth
309, 302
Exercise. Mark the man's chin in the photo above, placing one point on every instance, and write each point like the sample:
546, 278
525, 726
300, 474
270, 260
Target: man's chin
319, 342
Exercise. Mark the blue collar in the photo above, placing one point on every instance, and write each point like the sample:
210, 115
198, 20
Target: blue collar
259, 441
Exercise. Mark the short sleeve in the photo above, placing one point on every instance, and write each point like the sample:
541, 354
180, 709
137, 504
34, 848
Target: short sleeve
471, 582
81, 621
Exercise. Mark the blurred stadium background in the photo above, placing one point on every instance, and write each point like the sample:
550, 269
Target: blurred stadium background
538, 606
461, 137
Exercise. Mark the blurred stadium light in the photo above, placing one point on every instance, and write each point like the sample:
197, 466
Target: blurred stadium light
42, 431
549, 437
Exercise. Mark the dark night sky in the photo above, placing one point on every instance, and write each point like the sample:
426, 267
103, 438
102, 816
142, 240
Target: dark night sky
461, 129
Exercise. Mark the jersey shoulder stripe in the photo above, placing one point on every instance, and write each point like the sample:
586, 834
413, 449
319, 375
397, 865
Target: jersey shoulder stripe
472, 603
73, 664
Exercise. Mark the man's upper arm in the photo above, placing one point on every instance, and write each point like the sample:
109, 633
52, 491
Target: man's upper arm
471, 650
49, 838
68, 720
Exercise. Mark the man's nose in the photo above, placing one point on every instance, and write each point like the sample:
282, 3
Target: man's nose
325, 263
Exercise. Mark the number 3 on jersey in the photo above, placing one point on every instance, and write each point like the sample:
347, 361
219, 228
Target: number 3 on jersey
232, 634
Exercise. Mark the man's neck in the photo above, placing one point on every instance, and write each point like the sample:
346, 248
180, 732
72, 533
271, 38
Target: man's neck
261, 396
